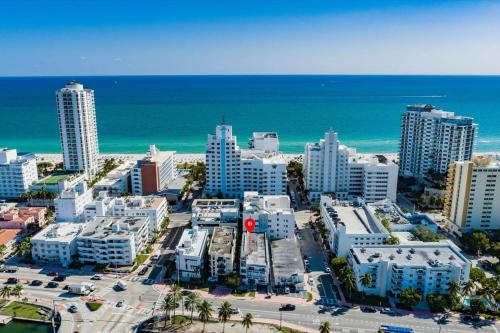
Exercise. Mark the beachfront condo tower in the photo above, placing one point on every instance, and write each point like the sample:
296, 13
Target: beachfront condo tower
330, 167
431, 139
78, 129
472, 197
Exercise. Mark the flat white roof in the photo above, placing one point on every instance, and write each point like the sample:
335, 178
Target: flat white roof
61, 232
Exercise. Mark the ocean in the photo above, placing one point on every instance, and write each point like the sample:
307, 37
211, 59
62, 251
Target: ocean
177, 112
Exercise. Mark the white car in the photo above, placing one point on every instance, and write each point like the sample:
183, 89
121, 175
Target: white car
96, 277
235, 311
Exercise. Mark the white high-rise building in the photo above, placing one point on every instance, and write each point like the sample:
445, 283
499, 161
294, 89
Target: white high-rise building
272, 214
431, 139
78, 129
472, 197
231, 170
330, 167
17, 173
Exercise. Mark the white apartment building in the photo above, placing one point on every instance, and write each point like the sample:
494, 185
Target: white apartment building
117, 181
427, 267
272, 214
472, 197
254, 259
221, 252
56, 243
431, 139
330, 167
78, 129
350, 226
154, 207
112, 240
287, 264
211, 213
17, 173
154, 172
70, 204
231, 171
190, 253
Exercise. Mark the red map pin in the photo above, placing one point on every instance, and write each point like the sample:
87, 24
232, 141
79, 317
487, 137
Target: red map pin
250, 224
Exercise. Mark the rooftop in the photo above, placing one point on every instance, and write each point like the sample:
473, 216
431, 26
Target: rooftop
7, 235
222, 241
103, 227
193, 241
116, 174
428, 255
62, 232
254, 249
270, 203
141, 202
287, 259
56, 177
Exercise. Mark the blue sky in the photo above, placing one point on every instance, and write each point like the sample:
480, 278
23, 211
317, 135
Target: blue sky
92, 37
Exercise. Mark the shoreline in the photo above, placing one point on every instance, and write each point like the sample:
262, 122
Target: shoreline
200, 157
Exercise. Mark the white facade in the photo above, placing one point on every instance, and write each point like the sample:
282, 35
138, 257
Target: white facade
254, 259
211, 213
56, 243
154, 172
190, 253
350, 226
287, 262
17, 173
113, 241
116, 181
330, 167
231, 171
154, 207
472, 198
78, 129
427, 267
70, 204
221, 252
431, 139
272, 214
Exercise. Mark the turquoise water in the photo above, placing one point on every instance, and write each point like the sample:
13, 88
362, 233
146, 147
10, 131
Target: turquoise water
177, 112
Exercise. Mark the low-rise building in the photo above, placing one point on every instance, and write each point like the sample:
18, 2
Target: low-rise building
190, 253
58, 182
254, 259
427, 267
348, 225
9, 237
71, 202
117, 181
221, 252
288, 268
22, 217
114, 241
153, 173
211, 213
17, 173
272, 214
56, 243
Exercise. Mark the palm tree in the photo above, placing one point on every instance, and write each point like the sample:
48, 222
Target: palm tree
225, 311
247, 321
176, 293
17, 290
349, 281
167, 306
468, 287
192, 301
454, 288
325, 327
366, 280
205, 312
5, 292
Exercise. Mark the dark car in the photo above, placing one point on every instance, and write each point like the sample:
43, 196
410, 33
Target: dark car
368, 309
12, 280
59, 278
36, 283
52, 284
143, 271
287, 307
73, 309
52, 274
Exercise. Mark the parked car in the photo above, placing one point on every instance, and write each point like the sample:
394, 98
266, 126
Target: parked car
96, 277
52, 274
120, 304
287, 307
368, 309
386, 311
235, 311
59, 278
327, 269
36, 283
12, 280
52, 284
10, 269
73, 309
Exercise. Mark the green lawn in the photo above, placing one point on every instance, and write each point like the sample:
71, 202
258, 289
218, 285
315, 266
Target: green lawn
371, 300
93, 306
53, 179
141, 258
23, 310
179, 320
